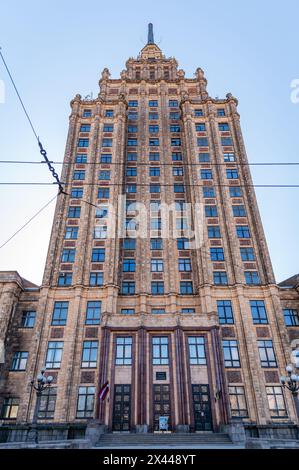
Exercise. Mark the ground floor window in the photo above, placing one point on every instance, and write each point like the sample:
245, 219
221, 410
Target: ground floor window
85, 403
276, 402
47, 403
237, 400
10, 408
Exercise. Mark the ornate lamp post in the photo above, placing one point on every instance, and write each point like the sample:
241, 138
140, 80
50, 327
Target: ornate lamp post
39, 385
292, 383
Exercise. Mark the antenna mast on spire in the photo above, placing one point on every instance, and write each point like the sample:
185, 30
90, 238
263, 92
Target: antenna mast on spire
150, 38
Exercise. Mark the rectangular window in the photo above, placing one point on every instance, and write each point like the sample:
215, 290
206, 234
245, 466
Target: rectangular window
239, 211
188, 311
106, 158
85, 403
156, 244
258, 312
129, 265
243, 231
79, 175
185, 265
10, 408
81, 158
65, 279
101, 212
291, 317
89, 354
267, 354
276, 402
231, 353
201, 127
153, 103
197, 354
128, 288
153, 129
176, 156
131, 157
173, 103
206, 174
108, 128
71, 233
160, 350
132, 171
226, 141
174, 115
85, 128
186, 288
103, 193
229, 157
225, 312
60, 311
129, 244
74, 212
158, 311
96, 279
133, 104
100, 232
252, 278
220, 278
123, 355
127, 311
153, 116
83, 143
154, 156
208, 192
47, 404
223, 126
175, 142
54, 354
154, 171
104, 175
247, 254
157, 265
28, 319
132, 142
93, 312
98, 255
77, 193
221, 112
232, 174
183, 244
235, 191
214, 231
109, 113
178, 188
107, 143
154, 142
217, 254
177, 171
174, 128
157, 288
155, 188
198, 112
132, 116
19, 360
87, 113
131, 188
204, 157
202, 142
237, 399
68, 256
211, 211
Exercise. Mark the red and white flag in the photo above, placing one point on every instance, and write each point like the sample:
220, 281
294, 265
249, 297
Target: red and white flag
104, 391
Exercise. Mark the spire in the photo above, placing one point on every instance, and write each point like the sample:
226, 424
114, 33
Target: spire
150, 36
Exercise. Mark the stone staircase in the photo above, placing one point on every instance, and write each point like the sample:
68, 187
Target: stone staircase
156, 440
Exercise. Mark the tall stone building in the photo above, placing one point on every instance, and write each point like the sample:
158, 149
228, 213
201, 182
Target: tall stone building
194, 330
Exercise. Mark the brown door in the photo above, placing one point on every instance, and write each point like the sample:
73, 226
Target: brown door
121, 408
202, 408
161, 404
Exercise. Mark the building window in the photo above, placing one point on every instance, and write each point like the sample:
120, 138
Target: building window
85, 403
188, 311
247, 254
267, 354
214, 231
129, 265
174, 128
226, 141
87, 113
93, 313
198, 112
252, 278
154, 142
10, 408
217, 254
123, 355
132, 116
101, 212
85, 128
100, 232
131, 171
291, 317
220, 112
225, 312
157, 265
47, 403
201, 127
108, 128
232, 174
71, 233
68, 256
98, 255
186, 288
276, 402
183, 244
132, 142
203, 157
77, 193
178, 171
197, 354
54, 354
176, 156
239, 211
132, 157
175, 142
237, 399
107, 143
158, 311
104, 175
157, 288
155, 188
19, 361
129, 244
96, 279
220, 278
79, 175
154, 156
211, 211
153, 103
83, 143
133, 103
103, 193
178, 188
153, 116
206, 174
258, 312
231, 353
174, 115
28, 319
223, 126
185, 265
109, 113
229, 157
235, 191
127, 311
74, 212
89, 354
81, 158
106, 158
65, 279
243, 231
173, 103
153, 129
154, 171
202, 142
156, 244
60, 313
160, 350
128, 288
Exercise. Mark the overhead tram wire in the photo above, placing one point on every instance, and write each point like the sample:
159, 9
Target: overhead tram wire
148, 185
41, 149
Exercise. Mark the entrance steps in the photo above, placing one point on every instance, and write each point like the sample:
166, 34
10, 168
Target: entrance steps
156, 440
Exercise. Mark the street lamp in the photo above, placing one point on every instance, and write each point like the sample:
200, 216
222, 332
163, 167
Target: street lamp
39, 385
291, 382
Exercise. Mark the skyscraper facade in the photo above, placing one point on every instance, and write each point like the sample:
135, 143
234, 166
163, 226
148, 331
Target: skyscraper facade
158, 279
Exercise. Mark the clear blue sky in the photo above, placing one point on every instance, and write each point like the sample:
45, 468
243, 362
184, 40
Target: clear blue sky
57, 49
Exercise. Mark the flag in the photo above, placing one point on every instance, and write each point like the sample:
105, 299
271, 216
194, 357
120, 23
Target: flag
104, 391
